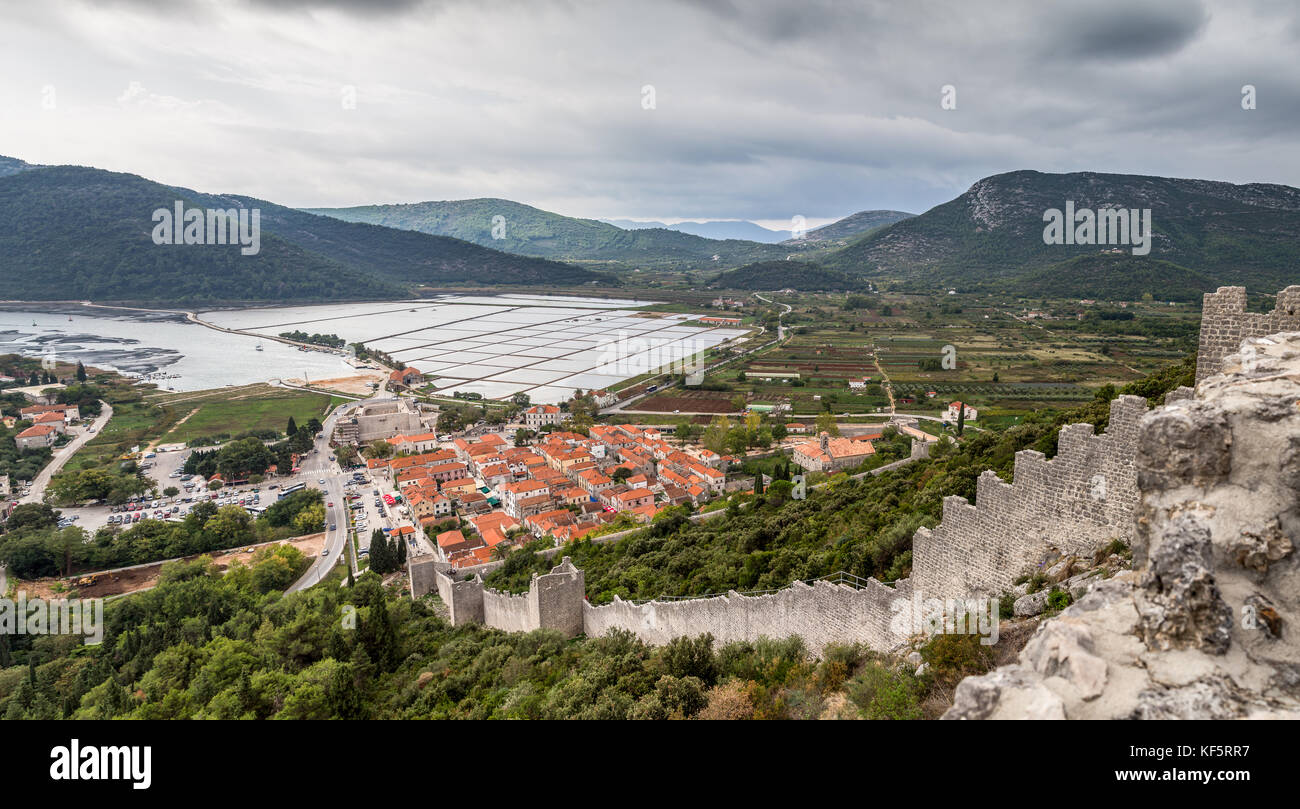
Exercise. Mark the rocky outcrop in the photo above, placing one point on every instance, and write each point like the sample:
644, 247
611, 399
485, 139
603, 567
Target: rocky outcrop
1205, 624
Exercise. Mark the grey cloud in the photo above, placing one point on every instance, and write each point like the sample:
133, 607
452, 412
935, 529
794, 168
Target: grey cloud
1122, 29
764, 109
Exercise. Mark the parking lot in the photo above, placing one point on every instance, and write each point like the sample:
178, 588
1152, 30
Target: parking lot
164, 468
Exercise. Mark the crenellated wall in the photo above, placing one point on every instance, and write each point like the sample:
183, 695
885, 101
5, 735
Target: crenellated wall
1075, 502
553, 601
1225, 323
820, 613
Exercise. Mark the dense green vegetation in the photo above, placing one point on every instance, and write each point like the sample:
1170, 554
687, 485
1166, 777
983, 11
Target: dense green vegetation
328, 340
203, 645
782, 274
1114, 276
243, 457
34, 546
77, 233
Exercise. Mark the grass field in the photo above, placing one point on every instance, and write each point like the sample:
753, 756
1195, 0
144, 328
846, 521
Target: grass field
253, 410
157, 419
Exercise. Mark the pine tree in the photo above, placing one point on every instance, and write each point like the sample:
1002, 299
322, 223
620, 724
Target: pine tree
380, 637
758, 483
401, 553
961, 419
81, 372
292, 429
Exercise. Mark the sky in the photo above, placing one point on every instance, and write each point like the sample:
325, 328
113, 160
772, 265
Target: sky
669, 110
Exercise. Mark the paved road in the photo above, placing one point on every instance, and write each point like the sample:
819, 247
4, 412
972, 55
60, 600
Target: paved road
65, 452
316, 467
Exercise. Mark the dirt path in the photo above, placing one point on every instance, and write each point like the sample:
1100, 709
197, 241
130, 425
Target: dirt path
885, 383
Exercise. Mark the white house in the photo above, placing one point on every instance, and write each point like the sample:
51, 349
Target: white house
541, 415
955, 408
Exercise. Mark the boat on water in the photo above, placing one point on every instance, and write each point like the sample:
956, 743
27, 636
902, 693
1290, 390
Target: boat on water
258, 347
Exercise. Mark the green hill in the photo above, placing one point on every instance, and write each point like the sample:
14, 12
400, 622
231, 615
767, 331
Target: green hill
801, 275
530, 231
1241, 234
75, 233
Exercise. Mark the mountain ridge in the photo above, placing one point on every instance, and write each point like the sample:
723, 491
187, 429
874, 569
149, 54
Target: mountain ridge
1247, 233
78, 232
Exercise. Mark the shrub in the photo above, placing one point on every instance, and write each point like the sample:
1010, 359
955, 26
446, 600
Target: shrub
882, 693
1058, 600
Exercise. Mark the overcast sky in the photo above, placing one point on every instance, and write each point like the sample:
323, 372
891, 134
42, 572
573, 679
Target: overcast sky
761, 110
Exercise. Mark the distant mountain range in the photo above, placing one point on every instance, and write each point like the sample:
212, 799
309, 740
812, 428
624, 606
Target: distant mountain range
712, 229
1223, 233
523, 229
81, 233
74, 233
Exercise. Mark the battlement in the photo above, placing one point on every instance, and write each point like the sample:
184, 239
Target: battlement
1225, 323
1075, 502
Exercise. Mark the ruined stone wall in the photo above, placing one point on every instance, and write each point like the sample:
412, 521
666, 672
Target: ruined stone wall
420, 570
1075, 502
508, 611
1225, 323
464, 599
553, 601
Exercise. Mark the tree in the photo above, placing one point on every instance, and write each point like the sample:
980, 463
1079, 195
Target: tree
239, 459
961, 419
81, 372
31, 515
380, 560
311, 520
379, 450
682, 433
292, 429
715, 437
171, 491
826, 424
347, 455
